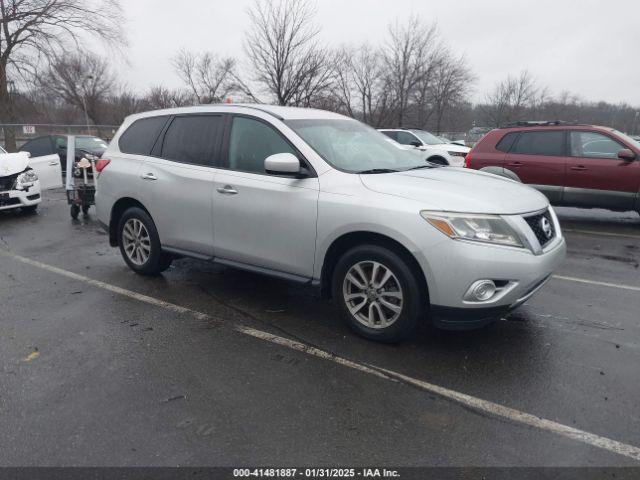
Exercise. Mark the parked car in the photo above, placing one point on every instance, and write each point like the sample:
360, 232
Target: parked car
431, 155
87, 146
319, 198
22, 180
584, 166
426, 141
475, 134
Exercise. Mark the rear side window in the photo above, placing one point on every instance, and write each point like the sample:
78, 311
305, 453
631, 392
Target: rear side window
38, 147
141, 135
540, 143
391, 134
504, 145
193, 139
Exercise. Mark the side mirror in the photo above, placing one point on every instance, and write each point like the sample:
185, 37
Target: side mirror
416, 144
282, 164
626, 155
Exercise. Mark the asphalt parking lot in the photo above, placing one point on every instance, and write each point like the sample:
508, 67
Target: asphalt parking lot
212, 366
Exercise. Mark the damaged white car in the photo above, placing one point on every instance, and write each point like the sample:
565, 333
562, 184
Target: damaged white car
22, 179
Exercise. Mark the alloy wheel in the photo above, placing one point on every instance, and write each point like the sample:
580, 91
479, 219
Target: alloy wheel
373, 294
136, 241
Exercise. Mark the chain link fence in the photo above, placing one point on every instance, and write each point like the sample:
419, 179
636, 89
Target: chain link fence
24, 132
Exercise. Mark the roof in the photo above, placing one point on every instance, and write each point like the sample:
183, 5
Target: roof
280, 112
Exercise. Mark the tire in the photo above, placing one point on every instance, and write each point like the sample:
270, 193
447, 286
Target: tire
74, 211
30, 209
140, 244
438, 161
401, 320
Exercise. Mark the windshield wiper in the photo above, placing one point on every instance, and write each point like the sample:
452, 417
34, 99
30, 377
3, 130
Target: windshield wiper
378, 170
419, 167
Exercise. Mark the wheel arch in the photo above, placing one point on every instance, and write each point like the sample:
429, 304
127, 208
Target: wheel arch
502, 172
117, 210
438, 159
352, 239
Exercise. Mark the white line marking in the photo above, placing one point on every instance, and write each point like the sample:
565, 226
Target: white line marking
458, 397
594, 282
595, 232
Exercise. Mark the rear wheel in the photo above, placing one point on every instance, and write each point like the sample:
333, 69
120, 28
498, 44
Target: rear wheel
377, 293
140, 244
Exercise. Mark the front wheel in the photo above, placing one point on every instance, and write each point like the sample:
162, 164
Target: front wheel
378, 294
140, 244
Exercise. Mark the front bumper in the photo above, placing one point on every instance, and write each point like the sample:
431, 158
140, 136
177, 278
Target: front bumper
453, 271
20, 198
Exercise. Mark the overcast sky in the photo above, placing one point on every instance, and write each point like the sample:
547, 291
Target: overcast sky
589, 47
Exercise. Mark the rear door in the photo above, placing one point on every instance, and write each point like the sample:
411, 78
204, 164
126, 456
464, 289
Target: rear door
538, 158
596, 177
178, 182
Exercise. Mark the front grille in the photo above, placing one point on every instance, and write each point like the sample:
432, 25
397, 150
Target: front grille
542, 226
6, 183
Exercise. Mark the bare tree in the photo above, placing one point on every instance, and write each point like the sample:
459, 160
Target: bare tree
211, 79
160, 97
408, 58
83, 80
281, 45
31, 30
360, 84
451, 83
510, 99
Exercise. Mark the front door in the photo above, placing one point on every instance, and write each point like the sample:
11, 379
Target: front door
178, 183
596, 177
48, 169
538, 159
263, 220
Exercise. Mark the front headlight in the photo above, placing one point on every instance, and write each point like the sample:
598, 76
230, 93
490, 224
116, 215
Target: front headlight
474, 227
26, 179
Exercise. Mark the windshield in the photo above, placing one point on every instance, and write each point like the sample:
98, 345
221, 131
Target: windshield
90, 143
427, 137
354, 147
628, 139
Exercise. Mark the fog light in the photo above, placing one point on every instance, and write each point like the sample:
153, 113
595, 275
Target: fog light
482, 290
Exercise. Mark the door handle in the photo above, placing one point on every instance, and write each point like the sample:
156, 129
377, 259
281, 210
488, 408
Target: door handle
53, 162
149, 176
579, 168
227, 190
515, 164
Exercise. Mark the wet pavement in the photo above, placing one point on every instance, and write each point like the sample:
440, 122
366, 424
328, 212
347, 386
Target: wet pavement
92, 377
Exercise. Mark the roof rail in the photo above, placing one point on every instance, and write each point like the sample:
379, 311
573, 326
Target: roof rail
539, 123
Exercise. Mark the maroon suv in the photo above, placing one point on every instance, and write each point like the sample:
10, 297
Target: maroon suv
573, 165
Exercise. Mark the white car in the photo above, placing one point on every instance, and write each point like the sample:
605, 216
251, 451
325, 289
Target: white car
433, 155
425, 141
319, 198
22, 179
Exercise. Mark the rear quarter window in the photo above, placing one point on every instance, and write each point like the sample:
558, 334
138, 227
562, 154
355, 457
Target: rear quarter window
506, 142
139, 138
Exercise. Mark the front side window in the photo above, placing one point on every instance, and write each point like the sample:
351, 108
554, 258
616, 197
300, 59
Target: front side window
354, 147
193, 139
540, 143
251, 142
594, 145
405, 138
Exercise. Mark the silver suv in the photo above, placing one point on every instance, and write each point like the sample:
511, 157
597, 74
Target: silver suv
319, 198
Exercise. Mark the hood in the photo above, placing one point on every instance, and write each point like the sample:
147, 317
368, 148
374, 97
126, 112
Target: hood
12, 163
452, 147
459, 190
